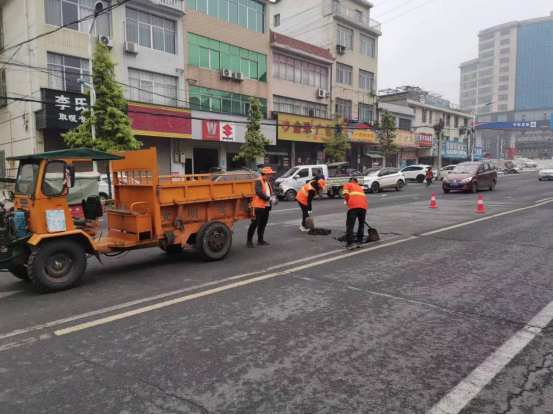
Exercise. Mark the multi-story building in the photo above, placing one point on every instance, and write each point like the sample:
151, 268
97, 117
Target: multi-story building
510, 83
429, 108
346, 27
228, 60
146, 44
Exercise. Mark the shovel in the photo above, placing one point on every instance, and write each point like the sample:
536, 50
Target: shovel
373, 234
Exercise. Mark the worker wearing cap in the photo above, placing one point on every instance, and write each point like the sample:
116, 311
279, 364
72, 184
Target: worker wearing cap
305, 198
262, 203
357, 210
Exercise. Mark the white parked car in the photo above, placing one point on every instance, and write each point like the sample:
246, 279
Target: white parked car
546, 173
417, 172
529, 163
445, 170
104, 188
387, 178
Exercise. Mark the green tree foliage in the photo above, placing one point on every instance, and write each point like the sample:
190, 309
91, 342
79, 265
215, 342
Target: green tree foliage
337, 144
386, 136
113, 126
255, 141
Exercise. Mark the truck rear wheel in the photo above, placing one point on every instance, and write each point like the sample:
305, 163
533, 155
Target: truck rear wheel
19, 271
213, 241
57, 265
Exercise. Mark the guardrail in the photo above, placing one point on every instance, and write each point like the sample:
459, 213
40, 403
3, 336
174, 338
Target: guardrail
356, 17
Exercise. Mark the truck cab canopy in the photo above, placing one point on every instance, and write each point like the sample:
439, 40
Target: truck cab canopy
83, 153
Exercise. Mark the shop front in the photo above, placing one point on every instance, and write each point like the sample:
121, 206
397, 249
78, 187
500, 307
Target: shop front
425, 152
454, 152
302, 138
365, 152
217, 139
408, 144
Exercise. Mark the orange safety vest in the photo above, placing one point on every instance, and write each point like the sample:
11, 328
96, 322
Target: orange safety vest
259, 203
355, 196
303, 194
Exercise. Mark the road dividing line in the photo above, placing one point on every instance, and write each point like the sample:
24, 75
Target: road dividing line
485, 218
543, 200
220, 289
462, 394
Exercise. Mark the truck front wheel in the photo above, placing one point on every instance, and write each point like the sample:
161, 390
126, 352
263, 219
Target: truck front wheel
57, 265
213, 241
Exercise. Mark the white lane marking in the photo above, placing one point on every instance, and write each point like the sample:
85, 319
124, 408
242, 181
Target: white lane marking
284, 210
156, 297
485, 218
219, 289
10, 293
543, 200
462, 394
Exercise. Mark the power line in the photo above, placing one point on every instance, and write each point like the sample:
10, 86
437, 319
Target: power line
297, 14
409, 11
107, 10
398, 7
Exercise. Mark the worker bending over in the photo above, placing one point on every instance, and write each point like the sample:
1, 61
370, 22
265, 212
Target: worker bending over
305, 198
357, 210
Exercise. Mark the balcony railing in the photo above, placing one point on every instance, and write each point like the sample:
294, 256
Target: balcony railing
173, 4
356, 17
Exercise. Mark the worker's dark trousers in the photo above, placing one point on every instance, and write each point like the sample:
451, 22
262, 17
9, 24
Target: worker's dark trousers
353, 216
259, 223
305, 213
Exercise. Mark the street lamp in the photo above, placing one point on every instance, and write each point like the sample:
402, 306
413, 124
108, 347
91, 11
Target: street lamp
82, 81
473, 135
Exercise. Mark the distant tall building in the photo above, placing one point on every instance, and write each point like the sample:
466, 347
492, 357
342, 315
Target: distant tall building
511, 82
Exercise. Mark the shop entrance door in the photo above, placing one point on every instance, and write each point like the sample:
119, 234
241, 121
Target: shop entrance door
204, 159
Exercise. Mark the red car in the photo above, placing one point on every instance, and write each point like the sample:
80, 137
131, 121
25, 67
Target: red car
471, 176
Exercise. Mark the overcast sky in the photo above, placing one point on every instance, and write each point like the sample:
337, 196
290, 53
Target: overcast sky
424, 47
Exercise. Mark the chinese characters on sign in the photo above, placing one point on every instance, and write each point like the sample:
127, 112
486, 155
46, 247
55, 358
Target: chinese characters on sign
63, 111
361, 136
455, 150
298, 128
406, 139
425, 140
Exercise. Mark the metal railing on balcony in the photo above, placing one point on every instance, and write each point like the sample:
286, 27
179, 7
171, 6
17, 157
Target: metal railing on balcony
174, 4
355, 16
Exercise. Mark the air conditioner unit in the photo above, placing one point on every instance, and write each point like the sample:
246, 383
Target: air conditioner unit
238, 76
226, 73
131, 47
341, 49
106, 40
321, 93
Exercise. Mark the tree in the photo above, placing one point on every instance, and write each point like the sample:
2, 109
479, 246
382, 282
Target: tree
439, 134
337, 144
255, 141
386, 136
113, 126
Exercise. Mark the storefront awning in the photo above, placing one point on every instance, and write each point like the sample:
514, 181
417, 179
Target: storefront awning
374, 155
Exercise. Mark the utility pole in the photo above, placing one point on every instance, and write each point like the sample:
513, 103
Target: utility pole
438, 131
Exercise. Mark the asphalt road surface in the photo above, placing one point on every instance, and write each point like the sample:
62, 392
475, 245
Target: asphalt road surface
450, 312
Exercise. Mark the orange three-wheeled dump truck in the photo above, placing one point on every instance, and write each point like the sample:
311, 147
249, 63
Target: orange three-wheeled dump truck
41, 242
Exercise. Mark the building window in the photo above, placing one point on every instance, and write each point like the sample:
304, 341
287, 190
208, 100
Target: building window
503, 87
64, 72
1, 31
505, 51
246, 13
469, 77
300, 72
469, 68
343, 107
504, 69
404, 124
503, 97
3, 87
466, 122
151, 31
366, 80
424, 111
206, 99
456, 122
430, 116
488, 36
365, 112
343, 74
485, 100
63, 12
485, 64
212, 54
486, 90
505, 32
359, 15
345, 37
487, 72
506, 41
276, 20
504, 78
504, 60
485, 46
367, 46
468, 103
502, 118
486, 55
502, 107
153, 88
468, 94
298, 107
448, 120
487, 81
470, 85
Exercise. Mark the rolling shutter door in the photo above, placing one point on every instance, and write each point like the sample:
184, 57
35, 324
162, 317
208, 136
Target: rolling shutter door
163, 146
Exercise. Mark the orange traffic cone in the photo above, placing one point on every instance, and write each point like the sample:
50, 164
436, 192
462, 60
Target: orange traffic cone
433, 204
480, 205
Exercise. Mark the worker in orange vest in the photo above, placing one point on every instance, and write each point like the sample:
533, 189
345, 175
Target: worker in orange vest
262, 203
357, 210
305, 198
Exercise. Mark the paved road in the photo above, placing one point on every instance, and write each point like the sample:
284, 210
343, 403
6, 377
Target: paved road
451, 312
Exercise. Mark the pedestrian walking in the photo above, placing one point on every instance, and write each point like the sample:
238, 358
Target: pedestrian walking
320, 176
429, 176
305, 198
357, 211
262, 203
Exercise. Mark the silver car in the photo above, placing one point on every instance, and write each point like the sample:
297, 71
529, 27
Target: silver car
388, 178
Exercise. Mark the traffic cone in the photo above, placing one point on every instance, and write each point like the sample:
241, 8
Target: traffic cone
480, 205
433, 204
